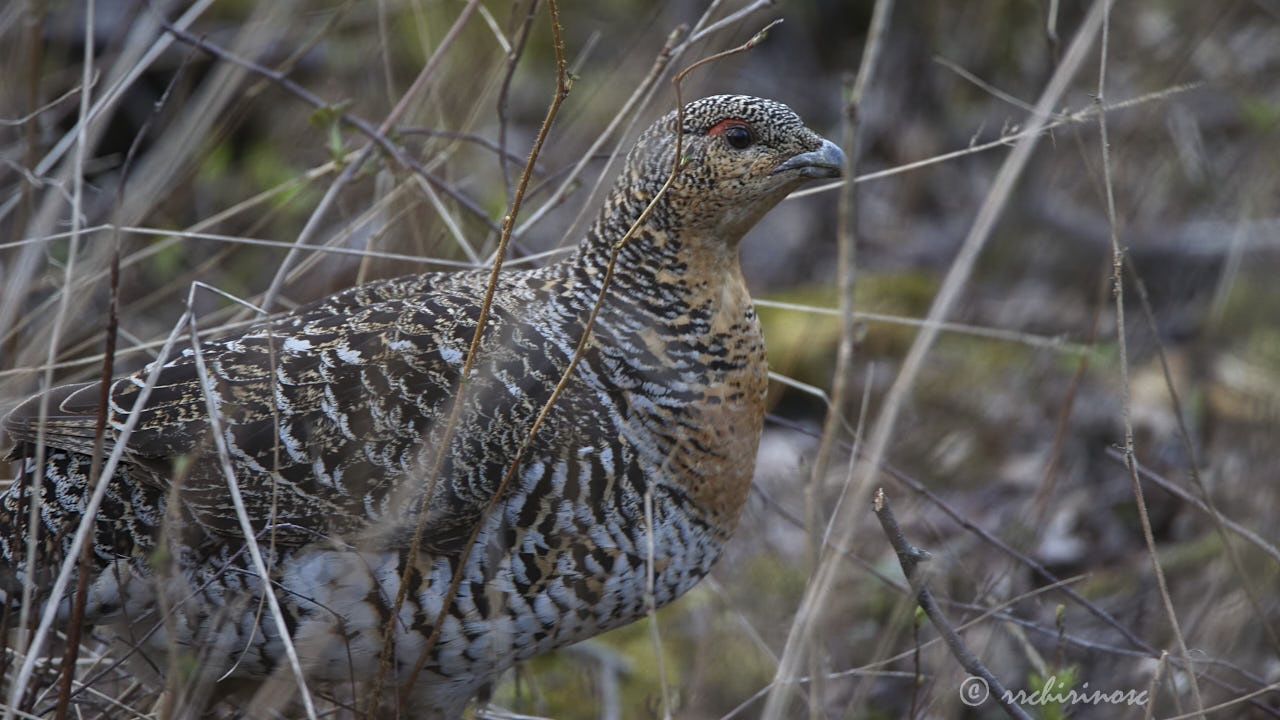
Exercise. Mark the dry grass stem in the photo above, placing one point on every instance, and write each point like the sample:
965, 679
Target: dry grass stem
508, 224
1117, 260
246, 526
85, 527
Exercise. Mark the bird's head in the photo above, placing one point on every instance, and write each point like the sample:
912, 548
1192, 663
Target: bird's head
740, 156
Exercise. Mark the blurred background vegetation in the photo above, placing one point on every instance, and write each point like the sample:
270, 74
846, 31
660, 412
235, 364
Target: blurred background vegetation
1012, 426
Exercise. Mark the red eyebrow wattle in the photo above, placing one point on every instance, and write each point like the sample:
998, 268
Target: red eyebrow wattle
725, 125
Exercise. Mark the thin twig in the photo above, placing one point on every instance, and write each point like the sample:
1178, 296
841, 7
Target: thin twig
1055, 342
846, 262
513, 58
1117, 262
664, 58
72, 650
242, 514
1233, 702
245, 240
983, 84
1168, 486
5, 122
1079, 116
726, 21
480, 140
508, 225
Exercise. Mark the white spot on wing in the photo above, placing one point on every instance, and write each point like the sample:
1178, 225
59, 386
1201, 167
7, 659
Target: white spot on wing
291, 444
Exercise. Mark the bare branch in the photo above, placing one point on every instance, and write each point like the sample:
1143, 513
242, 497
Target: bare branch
909, 557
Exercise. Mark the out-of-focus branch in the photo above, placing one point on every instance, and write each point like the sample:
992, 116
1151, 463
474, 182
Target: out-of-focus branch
909, 557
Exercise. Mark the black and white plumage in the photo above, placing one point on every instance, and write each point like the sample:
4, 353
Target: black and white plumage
334, 416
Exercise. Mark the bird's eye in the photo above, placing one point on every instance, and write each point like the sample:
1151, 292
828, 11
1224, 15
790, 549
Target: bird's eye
738, 136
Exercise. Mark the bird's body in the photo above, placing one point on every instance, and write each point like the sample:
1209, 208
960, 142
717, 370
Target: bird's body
336, 422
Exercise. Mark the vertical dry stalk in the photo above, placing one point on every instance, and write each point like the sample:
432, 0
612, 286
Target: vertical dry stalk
814, 535
513, 59
8, 344
37, 477
1117, 266
1049, 477
1154, 686
34, 41
85, 527
100, 423
242, 515
847, 230
508, 225
846, 273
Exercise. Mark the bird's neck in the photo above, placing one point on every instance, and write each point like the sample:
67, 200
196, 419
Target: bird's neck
677, 301
663, 252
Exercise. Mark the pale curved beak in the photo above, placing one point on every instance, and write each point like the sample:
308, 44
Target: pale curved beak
825, 162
